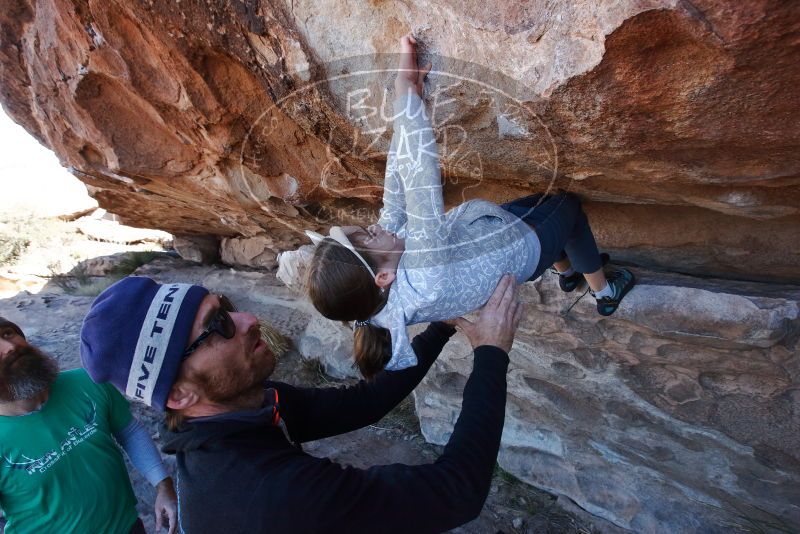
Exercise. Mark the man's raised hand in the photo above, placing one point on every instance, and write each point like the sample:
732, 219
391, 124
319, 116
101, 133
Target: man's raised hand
498, 320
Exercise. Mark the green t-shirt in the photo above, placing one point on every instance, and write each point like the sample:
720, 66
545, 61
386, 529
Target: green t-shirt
60, 468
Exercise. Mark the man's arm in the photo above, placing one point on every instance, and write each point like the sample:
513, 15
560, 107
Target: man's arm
452, 490
401, 498
315, 413
143, 454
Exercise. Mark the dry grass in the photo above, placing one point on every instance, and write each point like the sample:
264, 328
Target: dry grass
78, 282
539, 508
402, 417
11, 248
277, 342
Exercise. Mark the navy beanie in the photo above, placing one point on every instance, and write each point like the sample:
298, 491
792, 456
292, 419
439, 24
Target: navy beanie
135, 333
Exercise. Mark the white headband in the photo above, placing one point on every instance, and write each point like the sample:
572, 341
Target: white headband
338, 235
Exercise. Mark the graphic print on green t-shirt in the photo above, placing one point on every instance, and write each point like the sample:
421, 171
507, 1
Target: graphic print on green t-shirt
60, 468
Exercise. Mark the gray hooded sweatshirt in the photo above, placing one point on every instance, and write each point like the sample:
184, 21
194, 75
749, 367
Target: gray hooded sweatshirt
452, 261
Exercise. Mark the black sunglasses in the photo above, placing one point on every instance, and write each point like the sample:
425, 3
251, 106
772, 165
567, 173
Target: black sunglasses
221, 322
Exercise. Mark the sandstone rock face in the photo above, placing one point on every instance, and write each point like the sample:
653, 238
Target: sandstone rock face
679, 413
99, 228
199, 249
330, 343
292, 266
676, 121
249, 251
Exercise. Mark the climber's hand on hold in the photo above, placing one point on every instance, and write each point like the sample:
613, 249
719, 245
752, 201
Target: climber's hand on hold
409, 76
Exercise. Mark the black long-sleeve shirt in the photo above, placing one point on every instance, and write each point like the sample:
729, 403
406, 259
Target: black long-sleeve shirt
238, 472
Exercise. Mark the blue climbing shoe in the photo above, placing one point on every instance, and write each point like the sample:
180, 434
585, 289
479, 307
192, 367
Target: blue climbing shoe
621, 281
571, 282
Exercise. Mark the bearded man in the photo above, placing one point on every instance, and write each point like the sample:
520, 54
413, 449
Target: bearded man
238, 435
60, 467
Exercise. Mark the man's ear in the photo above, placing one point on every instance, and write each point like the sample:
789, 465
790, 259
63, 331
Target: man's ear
384, 278
182, 396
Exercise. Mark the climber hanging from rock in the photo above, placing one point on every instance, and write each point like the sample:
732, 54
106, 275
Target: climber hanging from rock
421, 264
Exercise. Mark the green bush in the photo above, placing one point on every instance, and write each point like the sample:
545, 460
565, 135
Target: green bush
134, 260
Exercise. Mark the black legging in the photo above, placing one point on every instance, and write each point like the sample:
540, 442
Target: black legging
562, 228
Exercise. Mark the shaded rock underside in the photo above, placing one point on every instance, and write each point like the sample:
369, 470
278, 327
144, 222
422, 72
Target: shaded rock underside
676, 121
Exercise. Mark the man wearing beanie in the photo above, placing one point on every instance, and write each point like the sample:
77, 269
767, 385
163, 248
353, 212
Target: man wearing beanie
238, 436
60, 468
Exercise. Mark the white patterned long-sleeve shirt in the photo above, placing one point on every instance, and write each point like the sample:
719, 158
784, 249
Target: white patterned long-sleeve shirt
452, 260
